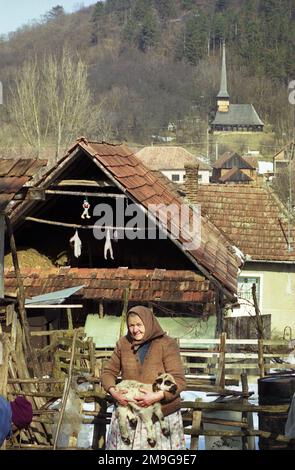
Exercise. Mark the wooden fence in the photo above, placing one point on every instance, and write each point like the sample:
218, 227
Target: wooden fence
221, 361
210, 365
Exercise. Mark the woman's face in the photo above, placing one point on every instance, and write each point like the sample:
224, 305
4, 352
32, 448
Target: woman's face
136, 327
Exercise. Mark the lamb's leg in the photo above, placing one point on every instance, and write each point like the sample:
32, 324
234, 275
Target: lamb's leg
122, 412
132, 418
146, 416
159, 414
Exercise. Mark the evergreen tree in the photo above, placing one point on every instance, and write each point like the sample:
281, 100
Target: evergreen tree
97, 21
196, 35
140, 9
98, 11
188, 4
221, 5
148, 33
166, 9
130, 31
55, 13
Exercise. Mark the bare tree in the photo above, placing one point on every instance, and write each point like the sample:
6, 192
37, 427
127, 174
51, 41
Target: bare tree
26, 105
52, 100
68, 98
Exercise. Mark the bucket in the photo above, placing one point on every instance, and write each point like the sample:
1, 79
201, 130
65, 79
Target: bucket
276, 390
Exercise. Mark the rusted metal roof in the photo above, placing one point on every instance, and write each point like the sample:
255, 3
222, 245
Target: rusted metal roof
109, 284
213, 257
14, 174
252, 217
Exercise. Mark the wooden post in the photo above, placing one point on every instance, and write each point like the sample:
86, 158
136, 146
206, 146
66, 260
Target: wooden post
21, 301
219, 313
100, 309
124, 312
2, 234
196, 426
66, 390
259, 324
70, 319
245, 391
220, 378
261, 358
5, 365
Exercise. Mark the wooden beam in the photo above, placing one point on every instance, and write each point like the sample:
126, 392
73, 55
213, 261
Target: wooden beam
234, 406
54, 306
64, 224
99, 184
88, 194
21, 301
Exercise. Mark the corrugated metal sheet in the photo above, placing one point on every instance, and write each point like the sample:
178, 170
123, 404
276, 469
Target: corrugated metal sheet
55, 297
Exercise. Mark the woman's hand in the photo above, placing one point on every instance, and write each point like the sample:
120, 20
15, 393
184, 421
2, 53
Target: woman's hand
148, 397
119, 396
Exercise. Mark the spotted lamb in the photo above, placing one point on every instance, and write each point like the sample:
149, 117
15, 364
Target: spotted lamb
164, 382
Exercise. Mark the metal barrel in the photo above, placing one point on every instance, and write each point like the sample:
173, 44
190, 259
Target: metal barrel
276, 390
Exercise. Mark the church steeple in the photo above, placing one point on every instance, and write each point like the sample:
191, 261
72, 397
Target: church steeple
223, 96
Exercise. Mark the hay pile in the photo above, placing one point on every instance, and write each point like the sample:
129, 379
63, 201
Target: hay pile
29, 258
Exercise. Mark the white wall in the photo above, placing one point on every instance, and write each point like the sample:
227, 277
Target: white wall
277, 295
203, 174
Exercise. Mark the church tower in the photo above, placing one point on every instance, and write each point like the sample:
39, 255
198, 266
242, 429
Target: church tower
223, 96
233, 117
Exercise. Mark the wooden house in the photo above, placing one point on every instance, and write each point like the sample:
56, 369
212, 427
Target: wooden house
232, 168
171, 161
257, 223
152, 270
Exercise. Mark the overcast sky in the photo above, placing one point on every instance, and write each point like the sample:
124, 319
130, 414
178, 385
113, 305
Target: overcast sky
16, 13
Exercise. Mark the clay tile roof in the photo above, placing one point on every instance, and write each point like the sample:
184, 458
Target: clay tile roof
168, 158
14, 174
213, 257
149, 191
252, 217
109, 284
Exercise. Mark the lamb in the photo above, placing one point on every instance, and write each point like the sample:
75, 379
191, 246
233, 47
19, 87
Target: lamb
164, 382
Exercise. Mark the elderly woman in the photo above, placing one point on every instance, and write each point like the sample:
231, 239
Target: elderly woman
141, 355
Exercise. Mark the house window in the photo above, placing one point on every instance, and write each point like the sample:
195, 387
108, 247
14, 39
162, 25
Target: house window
245, 287
175, 177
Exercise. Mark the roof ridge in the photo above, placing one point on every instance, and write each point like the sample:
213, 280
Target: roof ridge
280, 203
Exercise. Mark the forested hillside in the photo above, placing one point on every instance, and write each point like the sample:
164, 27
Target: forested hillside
154, 62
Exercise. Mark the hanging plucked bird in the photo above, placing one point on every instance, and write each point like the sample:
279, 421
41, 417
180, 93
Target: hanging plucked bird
86, 207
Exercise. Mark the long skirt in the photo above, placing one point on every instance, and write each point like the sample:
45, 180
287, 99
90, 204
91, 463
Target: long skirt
138, 436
